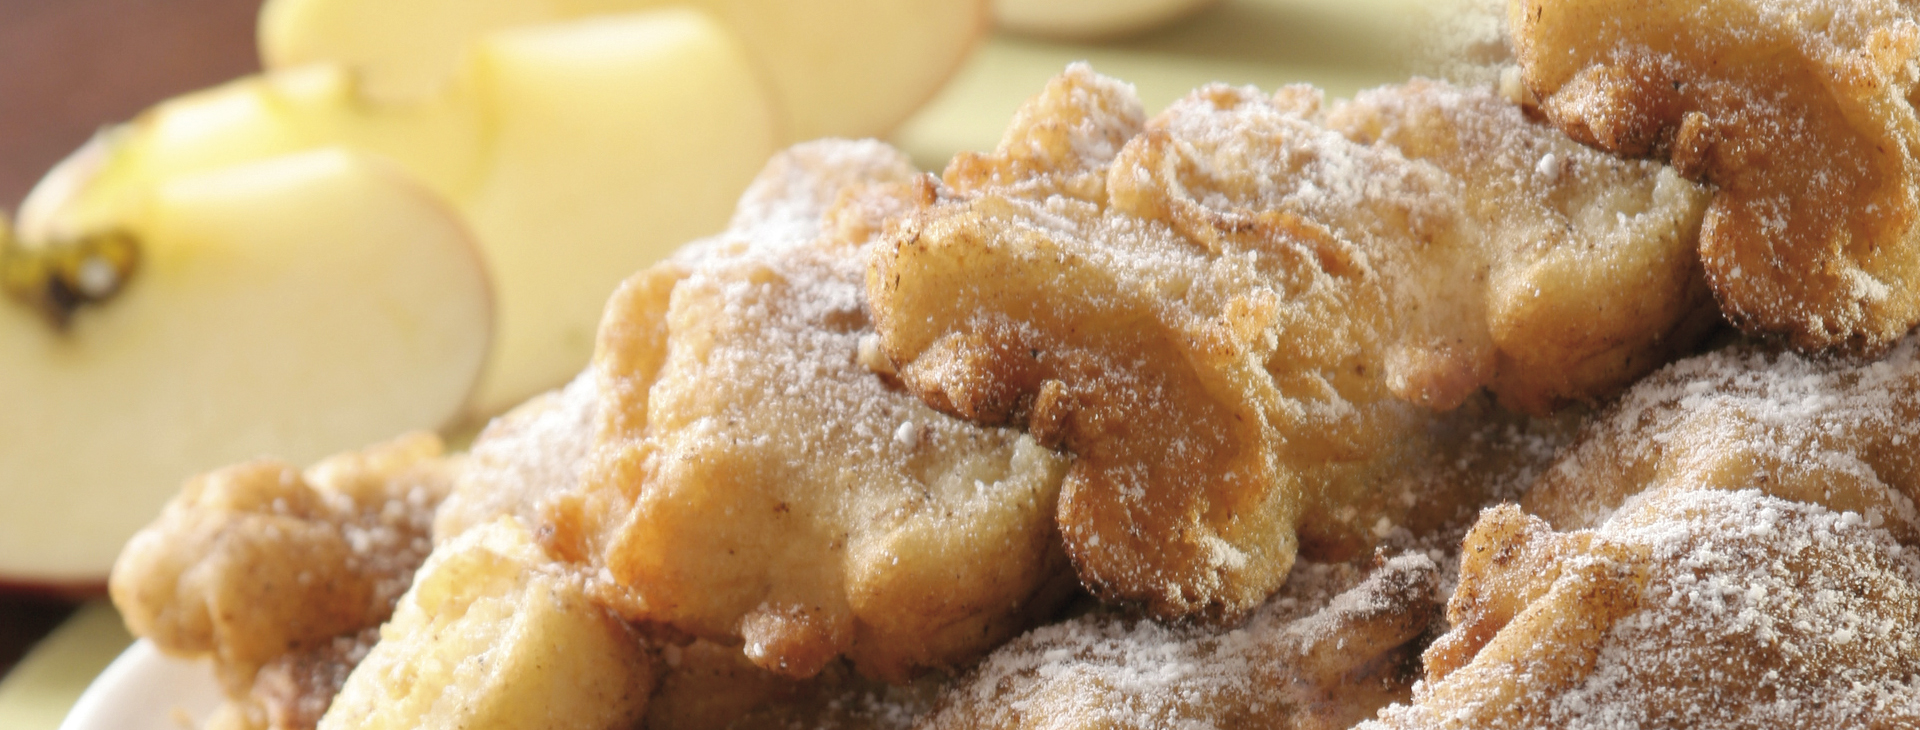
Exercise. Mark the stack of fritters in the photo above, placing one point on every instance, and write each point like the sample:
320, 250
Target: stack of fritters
1186, 421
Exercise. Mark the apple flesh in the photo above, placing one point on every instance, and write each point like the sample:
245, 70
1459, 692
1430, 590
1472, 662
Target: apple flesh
615, 140
291, 307
849, 68
1090, 19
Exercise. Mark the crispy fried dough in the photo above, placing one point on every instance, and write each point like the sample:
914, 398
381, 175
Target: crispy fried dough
1798, 113
1839, 433
536, 450
1692, 609
259, 563
1259, 299
1593, 281
713, 687
1307, 659
756, 481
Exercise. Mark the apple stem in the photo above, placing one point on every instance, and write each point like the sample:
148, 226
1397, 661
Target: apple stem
57, 278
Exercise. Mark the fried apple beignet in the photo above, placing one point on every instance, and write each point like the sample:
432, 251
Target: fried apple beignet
1799, 114
1836, 433
262, 565
756, 481
1288, 296
1690, 609
1307, 659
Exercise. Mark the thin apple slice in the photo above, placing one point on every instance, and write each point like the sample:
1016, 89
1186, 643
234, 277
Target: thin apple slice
849, 68
852, 68
614, 140
436, 139
296, 307
402, 50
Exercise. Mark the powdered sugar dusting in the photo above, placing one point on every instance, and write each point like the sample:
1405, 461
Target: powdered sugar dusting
1749, 612
1831, 431
522, 457
1328, 646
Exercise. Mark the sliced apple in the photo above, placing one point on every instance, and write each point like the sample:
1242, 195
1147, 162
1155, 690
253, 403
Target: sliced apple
1090, 19
850, 68
296, 307
615, 141
436, 139
401, 50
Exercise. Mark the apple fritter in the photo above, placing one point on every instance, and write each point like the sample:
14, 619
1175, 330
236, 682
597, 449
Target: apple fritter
1839, 433
1261, 302
1324, 653
1796, 111
756, 481
257, 562
1689, 609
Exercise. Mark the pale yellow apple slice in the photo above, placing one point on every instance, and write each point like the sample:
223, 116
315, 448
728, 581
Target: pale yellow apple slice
436, 139
1088, 19
849, 68
296, 307
402, 49
614, 141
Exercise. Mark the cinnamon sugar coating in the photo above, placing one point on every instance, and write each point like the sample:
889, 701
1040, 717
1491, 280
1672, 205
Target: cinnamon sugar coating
1336, 644
260, 564
1797, 112
1689, 609
1221, 311
756, 482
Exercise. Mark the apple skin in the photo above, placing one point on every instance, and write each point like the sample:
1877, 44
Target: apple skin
289, 306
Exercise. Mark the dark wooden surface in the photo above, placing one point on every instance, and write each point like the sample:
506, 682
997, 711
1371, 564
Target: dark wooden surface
68, 67
24, 620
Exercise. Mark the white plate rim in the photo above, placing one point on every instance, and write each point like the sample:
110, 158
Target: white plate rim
144, 689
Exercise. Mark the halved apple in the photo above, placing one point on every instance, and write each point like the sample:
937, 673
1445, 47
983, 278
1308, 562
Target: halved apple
851, 68
292, 306
579, 152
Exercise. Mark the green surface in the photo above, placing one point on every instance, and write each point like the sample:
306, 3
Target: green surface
1341, 47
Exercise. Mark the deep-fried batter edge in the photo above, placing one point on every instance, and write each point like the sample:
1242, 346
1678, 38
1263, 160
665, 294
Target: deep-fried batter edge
1798, 114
